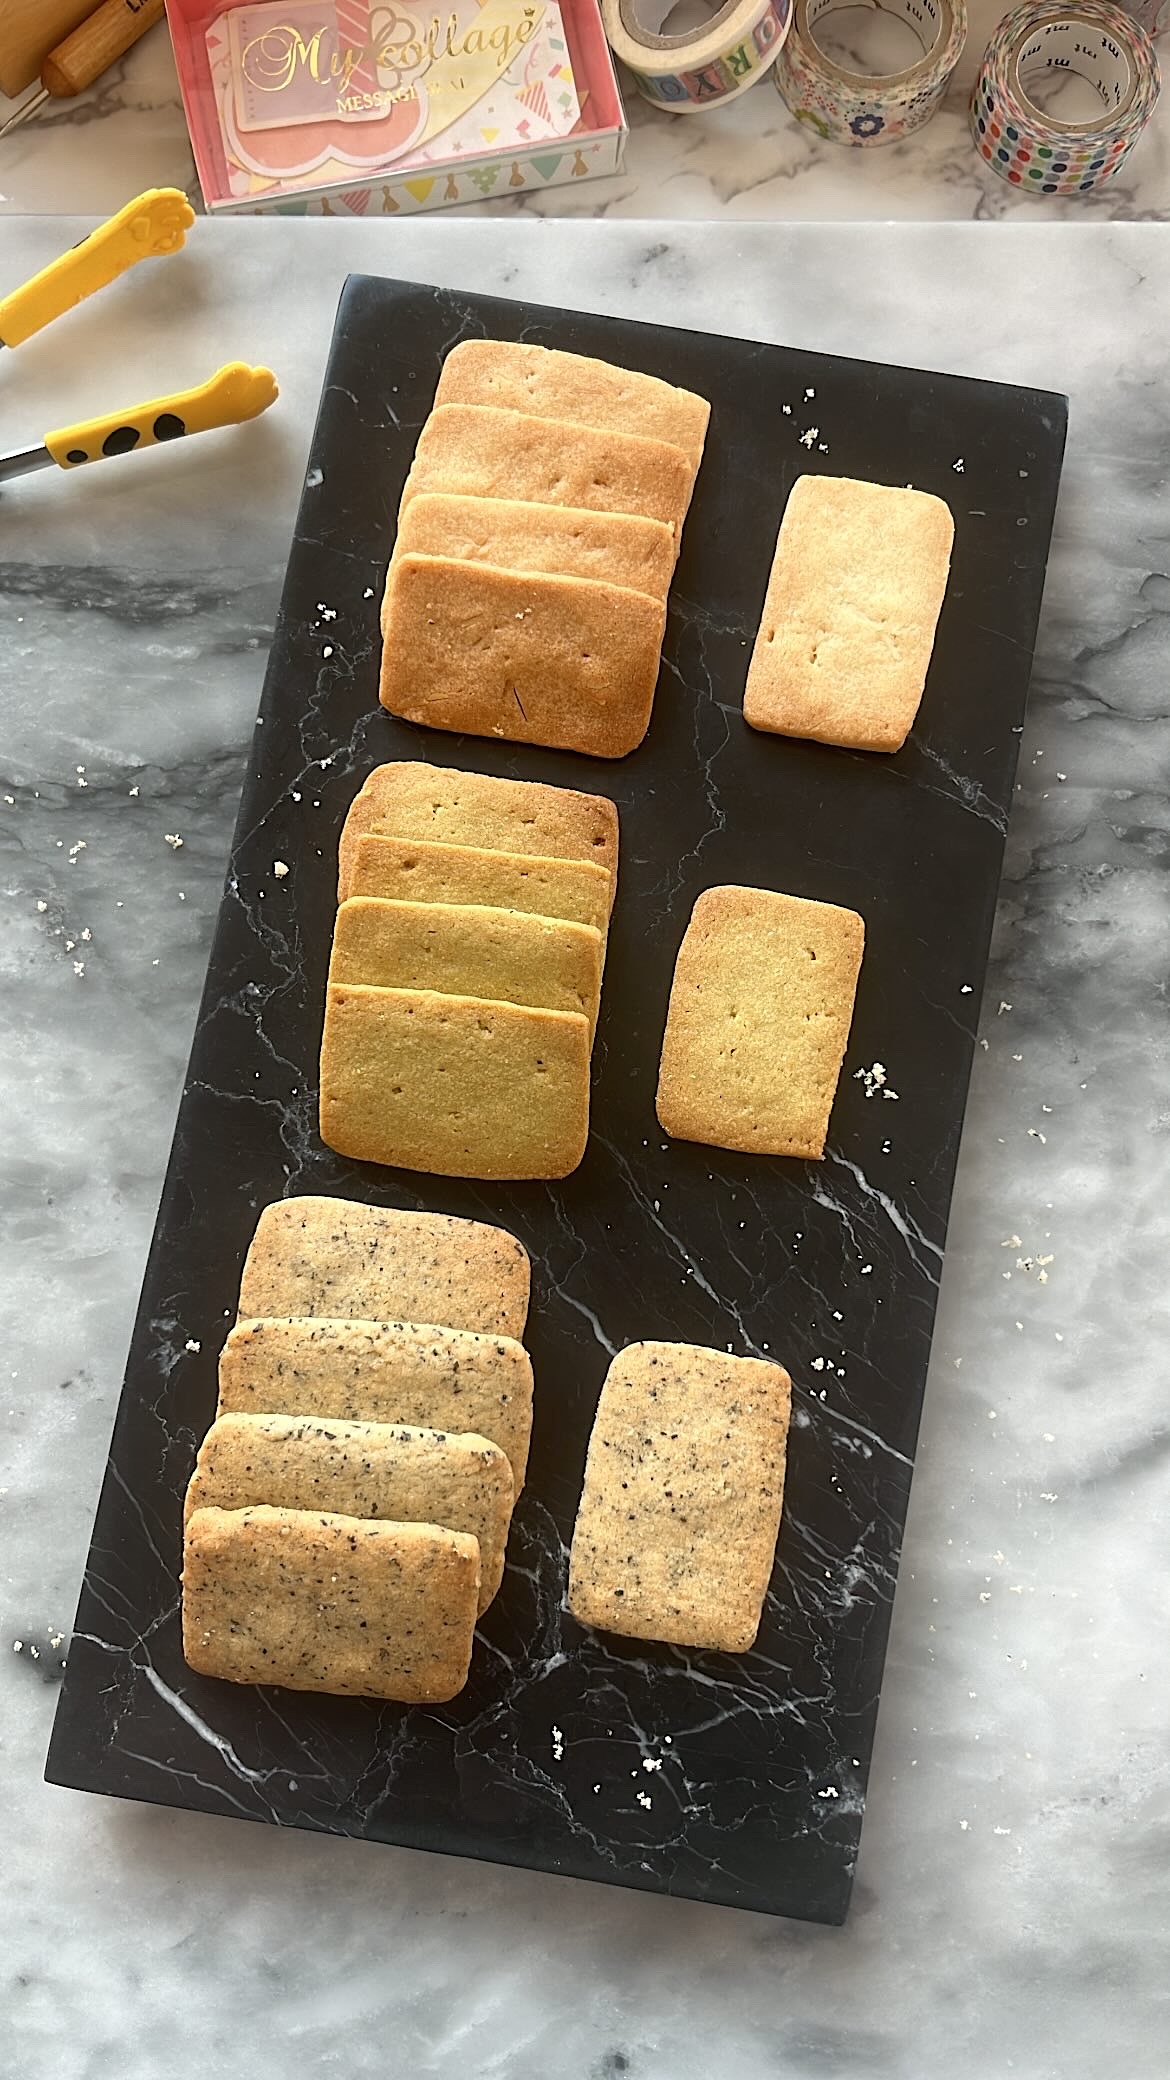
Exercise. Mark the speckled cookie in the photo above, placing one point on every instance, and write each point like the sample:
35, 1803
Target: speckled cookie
410, 799
850, 613
313, 1601
382, 1263
453, 1086
534, 659
759, 1016
403, 1475
684, 1482
552, 384
467, 950
382, 1372
477, 451
405, 870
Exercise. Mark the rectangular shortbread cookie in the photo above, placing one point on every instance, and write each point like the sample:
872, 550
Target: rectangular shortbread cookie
850, 613
410, 799
408, 870
479, 452
684, 1481
384, 1263
382, 1372
464, 950
455, 1086
555, 385
614, 548
314, 1601
401, 1474
760, 1009
563, 662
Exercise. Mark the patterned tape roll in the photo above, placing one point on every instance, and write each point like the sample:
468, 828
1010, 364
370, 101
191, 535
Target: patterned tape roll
699, 68
1041, 153
1152, 15
859, 108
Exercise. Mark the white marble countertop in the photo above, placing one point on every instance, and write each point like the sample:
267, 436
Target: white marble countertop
1013, 1900
751, 160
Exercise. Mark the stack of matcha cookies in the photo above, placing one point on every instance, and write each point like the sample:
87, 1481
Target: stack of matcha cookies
466, 973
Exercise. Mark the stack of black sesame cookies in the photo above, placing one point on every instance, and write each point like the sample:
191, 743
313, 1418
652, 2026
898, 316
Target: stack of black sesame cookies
347, 1519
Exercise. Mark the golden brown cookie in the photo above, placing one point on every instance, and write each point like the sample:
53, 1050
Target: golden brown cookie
407, 870
466, 950
410, 799
562, 662
476, 451
455, 1086
613, 548
555, 385
760, 1009
850, 613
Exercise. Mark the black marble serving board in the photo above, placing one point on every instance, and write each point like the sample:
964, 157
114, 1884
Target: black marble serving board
732, 1778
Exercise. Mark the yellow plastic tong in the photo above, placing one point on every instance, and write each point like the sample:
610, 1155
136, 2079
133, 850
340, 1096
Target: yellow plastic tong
150, 227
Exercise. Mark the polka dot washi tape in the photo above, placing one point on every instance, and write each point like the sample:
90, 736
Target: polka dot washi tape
1042, 154
854, 107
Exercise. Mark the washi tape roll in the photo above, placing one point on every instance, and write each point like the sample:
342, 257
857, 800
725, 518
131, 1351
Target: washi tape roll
700, 67
1151, 15
862, 108
1045, 154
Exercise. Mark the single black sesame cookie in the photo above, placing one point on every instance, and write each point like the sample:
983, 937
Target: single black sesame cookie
378, 1263
403, 1474
314, 1601
684, 1481
383, 1372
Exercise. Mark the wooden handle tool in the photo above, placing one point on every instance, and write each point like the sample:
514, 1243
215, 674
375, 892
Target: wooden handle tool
29, 30
88, 51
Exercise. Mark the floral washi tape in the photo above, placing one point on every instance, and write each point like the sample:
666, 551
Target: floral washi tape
858, 108
1039, 153
701, 68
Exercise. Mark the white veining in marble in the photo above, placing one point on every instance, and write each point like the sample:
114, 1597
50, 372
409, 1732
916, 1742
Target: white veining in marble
1013, 1899
750, 160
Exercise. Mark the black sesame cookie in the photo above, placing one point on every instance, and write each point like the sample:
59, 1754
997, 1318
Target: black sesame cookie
313, 1601
382, 1372
398, 1473
684, 1480
379, 1264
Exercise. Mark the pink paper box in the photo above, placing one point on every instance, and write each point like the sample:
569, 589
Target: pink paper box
595, 146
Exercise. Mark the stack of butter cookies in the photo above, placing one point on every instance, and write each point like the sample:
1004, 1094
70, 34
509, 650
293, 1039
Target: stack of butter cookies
537, 538
348, 1515
466, 973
